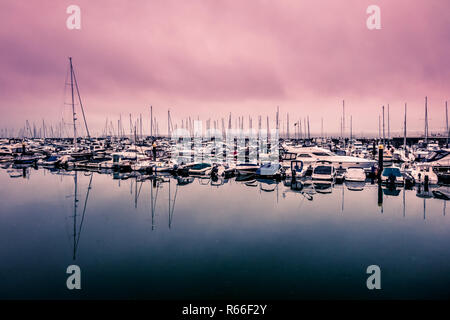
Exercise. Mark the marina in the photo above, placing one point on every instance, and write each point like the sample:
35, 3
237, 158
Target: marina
170, 215
170, 237
171, 219
224, 158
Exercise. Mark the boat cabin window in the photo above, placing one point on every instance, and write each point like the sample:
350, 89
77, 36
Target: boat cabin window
289, 156
322, 170
433, 156
321, 154
304, 155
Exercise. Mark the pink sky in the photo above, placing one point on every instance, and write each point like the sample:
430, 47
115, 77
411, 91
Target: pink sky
210, 57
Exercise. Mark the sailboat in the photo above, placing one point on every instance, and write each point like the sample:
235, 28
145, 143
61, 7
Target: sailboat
77, 152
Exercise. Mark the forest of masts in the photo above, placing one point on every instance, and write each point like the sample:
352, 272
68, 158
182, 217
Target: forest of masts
298, 129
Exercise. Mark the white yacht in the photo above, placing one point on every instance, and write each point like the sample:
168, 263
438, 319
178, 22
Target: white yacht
310, 155
420, 170
439, 158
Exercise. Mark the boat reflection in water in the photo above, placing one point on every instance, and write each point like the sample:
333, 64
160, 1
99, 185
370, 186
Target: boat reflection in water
159, 234
355, 185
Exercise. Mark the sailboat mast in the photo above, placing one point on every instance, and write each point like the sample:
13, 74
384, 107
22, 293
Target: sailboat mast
309, 134
351, 129
73, 105
287, 126
384, 133
404, 131
389, 127
321, 128
168, 123
446, 122
379, 127
343, 120
151, 121
426, 120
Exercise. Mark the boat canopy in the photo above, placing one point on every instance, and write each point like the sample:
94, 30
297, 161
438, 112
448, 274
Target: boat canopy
392, 171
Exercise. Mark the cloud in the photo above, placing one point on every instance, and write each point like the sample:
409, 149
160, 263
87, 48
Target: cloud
204, 57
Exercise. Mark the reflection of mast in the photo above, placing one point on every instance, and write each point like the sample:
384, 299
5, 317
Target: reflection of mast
342, 209
76, 235
137, 192
277, 192
153, 201
404, 202
172, 204
75, 206
424, 208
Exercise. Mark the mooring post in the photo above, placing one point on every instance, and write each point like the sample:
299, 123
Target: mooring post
293, 171
425, 184
380, 160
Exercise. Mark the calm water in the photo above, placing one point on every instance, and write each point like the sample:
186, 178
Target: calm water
232, 241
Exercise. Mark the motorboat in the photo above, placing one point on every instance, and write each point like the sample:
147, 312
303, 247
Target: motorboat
162, 166
144, 165
246, 168
420, 171
355, 174
49, 162
295, 167
323, 170
23, 159
310, 155
392, 176
194, 168
269, 170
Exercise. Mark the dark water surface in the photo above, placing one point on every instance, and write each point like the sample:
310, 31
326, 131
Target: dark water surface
233, 241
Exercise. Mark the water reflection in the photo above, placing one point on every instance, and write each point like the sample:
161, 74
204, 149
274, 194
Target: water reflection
77, 229
162, 234
305, 187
